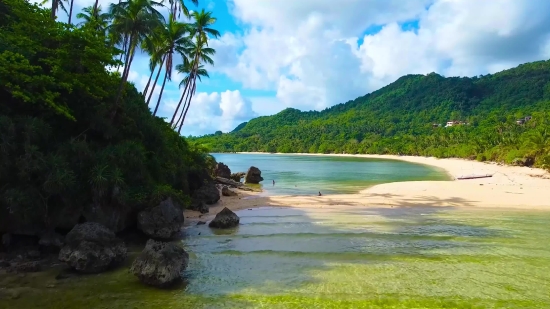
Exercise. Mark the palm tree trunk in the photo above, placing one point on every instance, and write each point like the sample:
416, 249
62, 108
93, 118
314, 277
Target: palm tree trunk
177, 124
54, 8
95, 8
126, 69
179, 104
161, 91
156, 79
149, 81
71, 11
189, 102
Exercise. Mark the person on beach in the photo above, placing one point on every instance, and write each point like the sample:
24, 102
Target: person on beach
274, 182
320, 193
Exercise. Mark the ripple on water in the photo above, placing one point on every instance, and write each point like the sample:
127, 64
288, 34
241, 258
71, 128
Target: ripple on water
358, 258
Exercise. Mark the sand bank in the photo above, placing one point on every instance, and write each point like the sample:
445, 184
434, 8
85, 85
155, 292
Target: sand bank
510, 187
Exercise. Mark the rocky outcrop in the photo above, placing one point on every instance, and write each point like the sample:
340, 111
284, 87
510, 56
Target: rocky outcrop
228, 192
222, 170
51, 241
160, 264
225, 219
91, 248
237, 176
162, 221
208, 194
253, 175
229, 182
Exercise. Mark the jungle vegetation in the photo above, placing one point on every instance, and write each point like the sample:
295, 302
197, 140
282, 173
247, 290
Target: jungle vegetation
73, 130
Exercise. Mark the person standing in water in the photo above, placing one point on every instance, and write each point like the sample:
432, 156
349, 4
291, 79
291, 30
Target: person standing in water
274, 182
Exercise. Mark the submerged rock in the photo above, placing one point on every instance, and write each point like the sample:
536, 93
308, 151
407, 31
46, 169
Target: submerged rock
163, 221
228, 192
254, 175
160, 264
92, 248
222, 170
225, 219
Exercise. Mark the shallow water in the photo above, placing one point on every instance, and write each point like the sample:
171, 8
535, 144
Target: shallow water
306, 175
335, 258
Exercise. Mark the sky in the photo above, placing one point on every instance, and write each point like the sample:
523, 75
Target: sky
312, 54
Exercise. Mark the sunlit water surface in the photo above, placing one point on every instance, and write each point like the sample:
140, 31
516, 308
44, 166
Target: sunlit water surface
334, 258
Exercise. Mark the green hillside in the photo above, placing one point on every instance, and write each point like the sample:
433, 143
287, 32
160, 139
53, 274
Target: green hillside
400, 118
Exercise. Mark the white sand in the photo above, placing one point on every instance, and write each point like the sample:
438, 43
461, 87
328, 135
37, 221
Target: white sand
510, 187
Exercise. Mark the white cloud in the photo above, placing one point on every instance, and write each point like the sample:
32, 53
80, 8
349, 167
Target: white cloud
307, 50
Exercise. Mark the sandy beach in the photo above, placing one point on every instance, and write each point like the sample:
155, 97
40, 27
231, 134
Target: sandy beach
510, 187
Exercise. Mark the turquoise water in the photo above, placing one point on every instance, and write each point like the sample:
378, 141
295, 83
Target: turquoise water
419, 257
306, 175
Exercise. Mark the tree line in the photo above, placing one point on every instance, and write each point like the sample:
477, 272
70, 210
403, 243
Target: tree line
409, 116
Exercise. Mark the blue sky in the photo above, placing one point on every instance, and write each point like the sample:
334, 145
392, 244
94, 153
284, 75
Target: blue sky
312, 54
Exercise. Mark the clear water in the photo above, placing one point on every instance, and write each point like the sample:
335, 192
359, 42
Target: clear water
399, 257
307, 175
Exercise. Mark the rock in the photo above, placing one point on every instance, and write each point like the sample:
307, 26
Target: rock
229, 182
222, 170
91, 248
25, 267
6, 240
228, 192
163, 221
160, 263
254, 175
115, 217
51, 241
207, 194
201, 223
237, 176
225, 219
33, 254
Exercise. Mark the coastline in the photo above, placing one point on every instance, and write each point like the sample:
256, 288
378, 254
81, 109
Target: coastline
511, 187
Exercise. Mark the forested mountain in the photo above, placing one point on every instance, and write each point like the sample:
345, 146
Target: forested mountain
405, 117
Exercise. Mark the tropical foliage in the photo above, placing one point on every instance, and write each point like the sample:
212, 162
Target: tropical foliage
72, 132
404, 118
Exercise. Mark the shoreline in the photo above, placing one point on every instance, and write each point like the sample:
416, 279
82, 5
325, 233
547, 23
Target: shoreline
511, 187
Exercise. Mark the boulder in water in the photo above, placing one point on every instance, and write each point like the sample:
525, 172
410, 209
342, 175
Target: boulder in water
162, 221
254, 175
92, 248
228, 192
160, 264
222, 170
225, 219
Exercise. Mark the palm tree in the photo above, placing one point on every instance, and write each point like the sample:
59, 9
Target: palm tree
175, 40
186, 68
200, 29
200, 53
179, 5
71, 11
56, 4
134, 19
151, 45
99, 21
